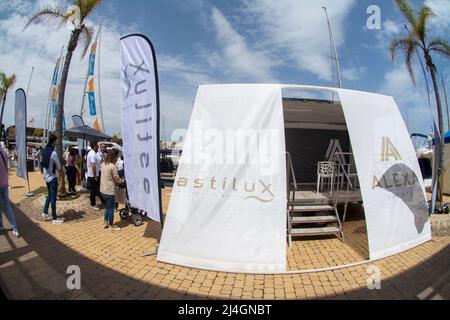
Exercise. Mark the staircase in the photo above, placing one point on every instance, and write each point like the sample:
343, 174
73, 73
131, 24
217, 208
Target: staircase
304, 221
309, 219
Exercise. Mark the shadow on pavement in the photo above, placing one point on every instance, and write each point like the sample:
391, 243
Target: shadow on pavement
34, 267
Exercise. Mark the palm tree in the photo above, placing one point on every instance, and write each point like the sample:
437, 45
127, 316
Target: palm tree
6, 83
82, 34
418, 39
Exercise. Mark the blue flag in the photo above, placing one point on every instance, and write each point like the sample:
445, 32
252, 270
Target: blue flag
91, 98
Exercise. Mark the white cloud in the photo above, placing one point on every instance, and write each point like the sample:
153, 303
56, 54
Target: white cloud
40, 46
390, 28
353, 74
297, 30
441, 22
412, 100
237, 59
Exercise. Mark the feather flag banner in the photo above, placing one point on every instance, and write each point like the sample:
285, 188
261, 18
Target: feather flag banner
54, 90
91, 97
96, 125
55, 73
92, 59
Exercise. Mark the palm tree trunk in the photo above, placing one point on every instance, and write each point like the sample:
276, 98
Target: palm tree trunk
3, 108
60, 108
441, 126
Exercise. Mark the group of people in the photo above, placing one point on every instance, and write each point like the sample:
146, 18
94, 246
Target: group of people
101, 169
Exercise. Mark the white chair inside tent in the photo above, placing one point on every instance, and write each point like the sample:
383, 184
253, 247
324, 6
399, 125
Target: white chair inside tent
325, 171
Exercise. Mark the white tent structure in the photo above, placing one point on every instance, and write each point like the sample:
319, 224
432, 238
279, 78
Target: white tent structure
228, 208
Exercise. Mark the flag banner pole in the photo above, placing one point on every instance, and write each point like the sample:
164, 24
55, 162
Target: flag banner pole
21, 136
140, 124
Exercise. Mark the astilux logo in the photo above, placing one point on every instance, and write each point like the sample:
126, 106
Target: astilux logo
257, 190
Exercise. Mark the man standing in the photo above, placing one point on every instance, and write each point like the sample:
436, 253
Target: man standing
51, 165
93, 170
4, 196
101, 154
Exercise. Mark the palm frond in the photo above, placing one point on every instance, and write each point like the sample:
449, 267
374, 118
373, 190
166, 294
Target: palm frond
86, 36
407, 46
2, 79
47, 14
440, 46
87, 6
420, 29
398, 44
407, 11
409, 55
7, 82
11, 80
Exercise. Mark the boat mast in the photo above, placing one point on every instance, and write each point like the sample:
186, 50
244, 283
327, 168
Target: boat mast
99, 35
446, 102
29, 81
334, 49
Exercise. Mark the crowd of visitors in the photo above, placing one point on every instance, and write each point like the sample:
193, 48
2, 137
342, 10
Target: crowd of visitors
96, 169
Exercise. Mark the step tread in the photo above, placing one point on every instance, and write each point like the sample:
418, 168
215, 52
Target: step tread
314, 219
312, 208
314, 231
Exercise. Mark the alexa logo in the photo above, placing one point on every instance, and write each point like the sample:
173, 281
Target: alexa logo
401, 181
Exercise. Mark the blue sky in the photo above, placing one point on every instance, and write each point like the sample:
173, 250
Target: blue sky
201, 42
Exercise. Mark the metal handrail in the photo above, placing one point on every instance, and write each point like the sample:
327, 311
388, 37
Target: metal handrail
342, 166
291, 167
349, 183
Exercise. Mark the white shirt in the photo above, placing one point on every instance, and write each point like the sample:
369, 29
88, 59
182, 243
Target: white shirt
99, 157
119, 164
91, 160
49, 175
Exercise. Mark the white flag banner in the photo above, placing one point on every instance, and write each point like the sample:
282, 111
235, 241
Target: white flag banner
21, 133
227, 210
391, 182
140, 124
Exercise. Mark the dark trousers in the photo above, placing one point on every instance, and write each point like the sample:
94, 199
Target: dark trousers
98, 189
52, 188
71, 172
94, 189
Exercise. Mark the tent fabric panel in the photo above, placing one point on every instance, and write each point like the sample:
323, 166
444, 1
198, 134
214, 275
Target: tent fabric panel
220, 215
391, 183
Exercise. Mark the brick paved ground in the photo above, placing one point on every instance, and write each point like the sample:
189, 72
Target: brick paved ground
112, 267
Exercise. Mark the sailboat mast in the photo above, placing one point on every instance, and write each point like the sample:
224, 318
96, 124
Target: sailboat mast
29, 81
60, 71
333, 44
446, 102
99, 35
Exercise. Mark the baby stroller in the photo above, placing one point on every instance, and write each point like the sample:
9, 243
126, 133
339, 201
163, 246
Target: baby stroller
129, 213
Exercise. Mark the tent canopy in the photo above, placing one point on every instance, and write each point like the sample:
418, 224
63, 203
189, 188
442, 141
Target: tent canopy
87, 133
227, 211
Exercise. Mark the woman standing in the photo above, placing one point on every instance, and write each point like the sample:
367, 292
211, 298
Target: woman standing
109, 179
5, 205
71, 169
